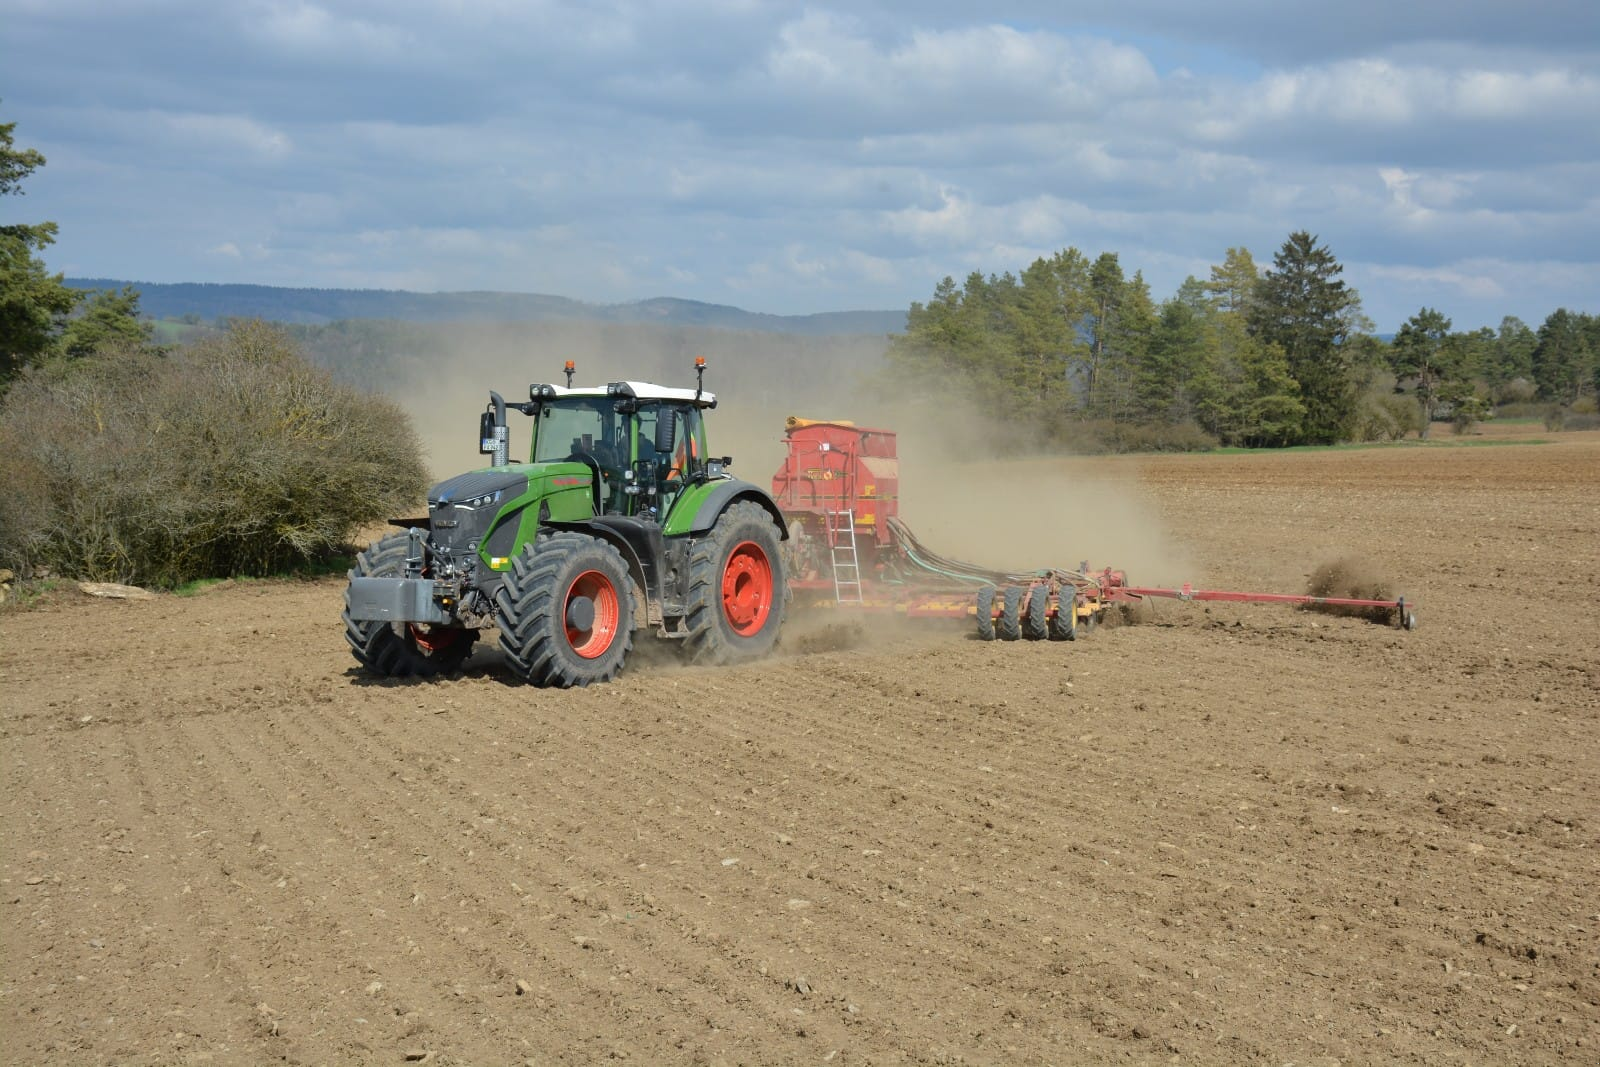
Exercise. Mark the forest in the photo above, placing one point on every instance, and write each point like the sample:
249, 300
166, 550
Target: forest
1081, 355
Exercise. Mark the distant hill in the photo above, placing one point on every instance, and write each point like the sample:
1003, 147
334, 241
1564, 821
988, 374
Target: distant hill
319, 306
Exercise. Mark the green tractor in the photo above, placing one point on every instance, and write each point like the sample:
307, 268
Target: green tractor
619, 520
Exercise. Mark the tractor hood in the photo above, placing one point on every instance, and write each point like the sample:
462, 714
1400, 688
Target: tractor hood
471, 488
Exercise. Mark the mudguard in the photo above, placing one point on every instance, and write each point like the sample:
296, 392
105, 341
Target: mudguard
639, 542
697, 511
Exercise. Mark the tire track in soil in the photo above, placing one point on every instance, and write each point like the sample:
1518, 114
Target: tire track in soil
482, 897
866, 923
162, 777
1346, 896
1080, 877
763, 857
636, 951
329, 836
601, 746
290, 929
980, 947
136, 861
1000, 978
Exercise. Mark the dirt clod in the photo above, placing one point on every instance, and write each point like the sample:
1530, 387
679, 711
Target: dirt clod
1350, 578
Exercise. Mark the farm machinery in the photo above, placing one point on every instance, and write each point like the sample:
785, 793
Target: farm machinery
838, 489
620, 520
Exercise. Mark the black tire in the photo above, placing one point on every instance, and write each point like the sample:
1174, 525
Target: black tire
737, 590
1064, 623
986, 613
394, 649
1010, 625
1036, 615
565, 612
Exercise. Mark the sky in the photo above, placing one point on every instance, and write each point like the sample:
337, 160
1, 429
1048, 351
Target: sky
802, 157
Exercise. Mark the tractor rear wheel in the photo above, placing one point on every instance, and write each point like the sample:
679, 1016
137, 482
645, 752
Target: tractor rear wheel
566, 612
1035, 617
986, 613
1064, 623
401, 649
1010, 625
736, 588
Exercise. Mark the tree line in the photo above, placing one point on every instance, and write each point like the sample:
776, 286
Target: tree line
1080, 353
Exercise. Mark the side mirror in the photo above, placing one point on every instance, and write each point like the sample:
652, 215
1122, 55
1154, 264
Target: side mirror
486, 435
666, 432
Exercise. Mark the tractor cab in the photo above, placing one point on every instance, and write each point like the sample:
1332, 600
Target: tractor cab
642, 448
643, 444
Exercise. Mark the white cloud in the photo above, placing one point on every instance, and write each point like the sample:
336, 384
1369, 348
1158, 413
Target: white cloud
933, 79
1381, 92
222, 133
298, 26
802, 154
1476, 283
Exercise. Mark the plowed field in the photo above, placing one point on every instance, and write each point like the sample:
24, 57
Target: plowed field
1242, 834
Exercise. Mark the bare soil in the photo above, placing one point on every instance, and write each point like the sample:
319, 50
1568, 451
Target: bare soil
1227, 834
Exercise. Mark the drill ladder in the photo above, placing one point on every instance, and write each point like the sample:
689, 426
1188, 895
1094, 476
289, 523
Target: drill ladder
847, 587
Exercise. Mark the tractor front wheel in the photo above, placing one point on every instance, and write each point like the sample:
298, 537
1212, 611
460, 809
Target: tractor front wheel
403, 649
566, 612
736, 588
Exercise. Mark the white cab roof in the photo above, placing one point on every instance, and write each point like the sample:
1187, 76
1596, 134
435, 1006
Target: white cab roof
644, 391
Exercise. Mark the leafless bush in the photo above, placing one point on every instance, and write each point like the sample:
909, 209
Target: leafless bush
1559, 418
1516, 391
233, 457
1386, 416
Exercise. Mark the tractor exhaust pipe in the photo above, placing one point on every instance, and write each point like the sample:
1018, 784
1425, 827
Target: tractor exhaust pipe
492, 435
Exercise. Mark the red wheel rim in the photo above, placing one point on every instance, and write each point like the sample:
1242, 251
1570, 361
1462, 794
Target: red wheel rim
433, 640
747, 589
592, 643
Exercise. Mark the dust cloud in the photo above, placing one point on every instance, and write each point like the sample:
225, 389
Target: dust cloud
971, 488
759, 379
1352, 578
978, 490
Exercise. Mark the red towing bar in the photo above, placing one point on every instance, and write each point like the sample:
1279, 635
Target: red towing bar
1406, 617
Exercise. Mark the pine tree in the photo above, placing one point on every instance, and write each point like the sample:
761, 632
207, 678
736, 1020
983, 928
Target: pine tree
1421, 352
33, 302
1514, 346
1303, 308
1233, 281
1562, 360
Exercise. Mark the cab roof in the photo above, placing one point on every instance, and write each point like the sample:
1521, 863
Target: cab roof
639, 390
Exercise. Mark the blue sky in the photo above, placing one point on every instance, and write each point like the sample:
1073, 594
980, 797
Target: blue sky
792, 158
